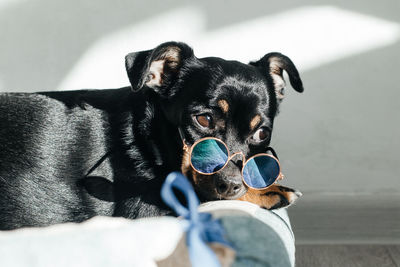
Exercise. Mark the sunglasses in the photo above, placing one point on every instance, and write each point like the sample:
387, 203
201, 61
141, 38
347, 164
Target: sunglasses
210, 155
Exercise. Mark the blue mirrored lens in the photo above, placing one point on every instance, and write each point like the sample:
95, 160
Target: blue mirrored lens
209, 156
261, 171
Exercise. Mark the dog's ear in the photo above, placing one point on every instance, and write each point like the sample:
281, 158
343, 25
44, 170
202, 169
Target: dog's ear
158, 68
273, 65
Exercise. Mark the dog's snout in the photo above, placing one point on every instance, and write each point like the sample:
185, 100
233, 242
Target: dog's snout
229, 188
222, 187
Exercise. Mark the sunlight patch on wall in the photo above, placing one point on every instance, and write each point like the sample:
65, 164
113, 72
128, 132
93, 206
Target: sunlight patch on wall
7, 3
310, 36
103, 65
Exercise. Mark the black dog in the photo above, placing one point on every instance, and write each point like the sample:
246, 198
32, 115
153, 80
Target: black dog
68, 156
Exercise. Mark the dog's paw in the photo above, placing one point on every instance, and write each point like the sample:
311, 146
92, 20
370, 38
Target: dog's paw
274, 197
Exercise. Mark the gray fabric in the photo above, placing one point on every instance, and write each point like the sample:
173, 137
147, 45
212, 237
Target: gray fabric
258, 245
261, 237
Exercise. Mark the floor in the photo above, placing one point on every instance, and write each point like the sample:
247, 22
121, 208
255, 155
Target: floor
348, 255
361, 230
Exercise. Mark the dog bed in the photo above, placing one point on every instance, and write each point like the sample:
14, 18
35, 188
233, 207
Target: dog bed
259, 237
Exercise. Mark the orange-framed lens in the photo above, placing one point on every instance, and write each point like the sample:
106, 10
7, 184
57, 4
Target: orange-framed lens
202, 140
271, 180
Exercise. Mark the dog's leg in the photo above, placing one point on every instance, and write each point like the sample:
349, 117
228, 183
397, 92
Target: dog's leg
274, 197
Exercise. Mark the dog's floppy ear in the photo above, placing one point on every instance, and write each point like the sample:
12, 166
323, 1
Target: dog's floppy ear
273, 65
158, 68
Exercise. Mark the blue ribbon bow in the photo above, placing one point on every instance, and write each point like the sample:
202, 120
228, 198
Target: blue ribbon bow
201, 227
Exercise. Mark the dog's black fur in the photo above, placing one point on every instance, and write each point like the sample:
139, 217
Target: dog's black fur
50, 141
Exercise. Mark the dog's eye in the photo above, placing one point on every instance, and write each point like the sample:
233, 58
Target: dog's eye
260, 135
204, 120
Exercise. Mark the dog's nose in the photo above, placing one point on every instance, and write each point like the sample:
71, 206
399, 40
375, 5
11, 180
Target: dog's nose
229, 189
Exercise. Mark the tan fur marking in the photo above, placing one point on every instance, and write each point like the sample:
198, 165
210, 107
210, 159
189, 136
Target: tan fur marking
156, 71
187, 169
274, 66
185, 166
200, 182
223, 104
172, 54
268, 201
275, 70
255, 121
172, 57
261, 200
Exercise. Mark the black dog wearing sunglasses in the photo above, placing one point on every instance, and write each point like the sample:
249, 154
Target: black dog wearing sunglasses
68, 156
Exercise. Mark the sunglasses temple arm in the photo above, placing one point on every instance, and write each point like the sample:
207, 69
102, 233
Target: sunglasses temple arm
182, 136
280, 176
273, 152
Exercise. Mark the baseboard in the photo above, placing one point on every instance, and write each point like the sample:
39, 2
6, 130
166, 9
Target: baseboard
326, 218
